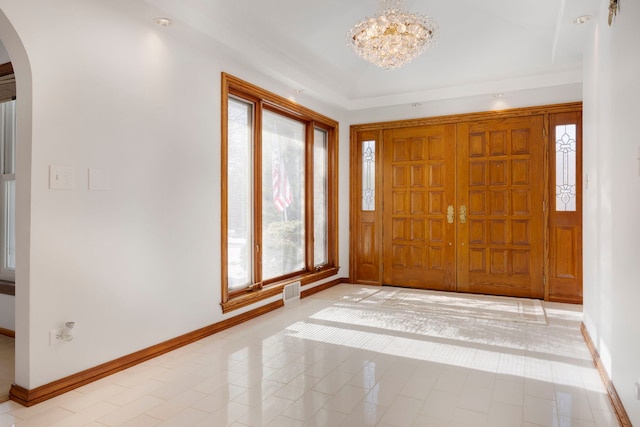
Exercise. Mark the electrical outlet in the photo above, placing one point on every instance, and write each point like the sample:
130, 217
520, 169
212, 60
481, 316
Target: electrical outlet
637, 389
55, 336
60, 177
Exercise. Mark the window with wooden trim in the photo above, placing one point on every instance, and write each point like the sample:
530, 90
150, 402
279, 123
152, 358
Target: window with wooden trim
7, 173
279, 194
7, 190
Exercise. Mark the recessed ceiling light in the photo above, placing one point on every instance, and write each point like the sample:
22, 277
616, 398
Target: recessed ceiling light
498, 95
163, 22
416, 104
583, 19
299, 90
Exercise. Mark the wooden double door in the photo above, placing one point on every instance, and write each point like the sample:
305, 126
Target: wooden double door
462, 207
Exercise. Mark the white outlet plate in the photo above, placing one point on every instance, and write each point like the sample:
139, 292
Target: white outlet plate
53, 336
60, 177
98, 179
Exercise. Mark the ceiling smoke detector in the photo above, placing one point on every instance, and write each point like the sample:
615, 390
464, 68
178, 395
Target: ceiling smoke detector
582, 19
163, 22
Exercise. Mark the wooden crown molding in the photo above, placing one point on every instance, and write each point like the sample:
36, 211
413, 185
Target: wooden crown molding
468, 117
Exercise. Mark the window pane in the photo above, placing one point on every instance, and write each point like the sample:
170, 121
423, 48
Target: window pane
320, 209
566, 168
239, 195
9, 144
10, 225
283, 198
368, 175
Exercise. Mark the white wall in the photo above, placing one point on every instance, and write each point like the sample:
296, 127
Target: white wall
612, 199
138, 263
4, 56
7, 312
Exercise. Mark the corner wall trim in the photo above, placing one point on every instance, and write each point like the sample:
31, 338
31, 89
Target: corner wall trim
40, 394
621, 413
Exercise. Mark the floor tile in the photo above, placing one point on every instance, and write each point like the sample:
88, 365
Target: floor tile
347, 357
468, 418
505, 415
402, 412
475, 398
306, 406
87, 415
440, 404
324, 417
511, 392
130, 411
364, 415
346, 399
540, 411
224, 416
47, 417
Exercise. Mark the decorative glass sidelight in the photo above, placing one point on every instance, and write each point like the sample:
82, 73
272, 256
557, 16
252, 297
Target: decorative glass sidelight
566, 168
368, 175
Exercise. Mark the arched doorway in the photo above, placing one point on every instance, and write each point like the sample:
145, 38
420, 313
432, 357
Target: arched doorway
7, 228
22, 71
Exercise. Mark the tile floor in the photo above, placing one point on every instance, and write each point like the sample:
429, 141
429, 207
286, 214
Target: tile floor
330, 360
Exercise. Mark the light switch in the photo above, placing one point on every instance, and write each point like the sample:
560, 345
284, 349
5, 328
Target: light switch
98, 179
60, 177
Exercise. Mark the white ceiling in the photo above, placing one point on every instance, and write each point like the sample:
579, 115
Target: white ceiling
485, 46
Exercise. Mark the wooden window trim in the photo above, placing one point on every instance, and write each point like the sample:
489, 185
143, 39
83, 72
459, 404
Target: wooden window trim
6, 69
265, 100
7, 288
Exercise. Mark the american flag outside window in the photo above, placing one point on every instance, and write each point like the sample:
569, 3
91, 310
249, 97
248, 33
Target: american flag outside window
282, 197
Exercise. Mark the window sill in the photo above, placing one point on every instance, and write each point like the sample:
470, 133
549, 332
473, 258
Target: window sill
275, 289
7, 288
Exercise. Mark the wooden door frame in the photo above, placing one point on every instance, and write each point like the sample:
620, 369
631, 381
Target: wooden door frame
375, 130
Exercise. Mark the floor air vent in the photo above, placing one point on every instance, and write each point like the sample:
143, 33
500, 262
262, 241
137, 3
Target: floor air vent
291, 292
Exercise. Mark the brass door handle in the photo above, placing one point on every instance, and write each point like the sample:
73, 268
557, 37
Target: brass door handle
450, 214
463, 214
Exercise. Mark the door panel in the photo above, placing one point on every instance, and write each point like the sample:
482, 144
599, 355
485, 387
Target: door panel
500, 182
418, 226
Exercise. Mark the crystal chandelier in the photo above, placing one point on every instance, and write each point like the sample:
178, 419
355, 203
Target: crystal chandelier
393, 37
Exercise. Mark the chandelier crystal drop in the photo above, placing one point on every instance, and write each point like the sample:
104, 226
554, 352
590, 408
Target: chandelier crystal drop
393, 37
